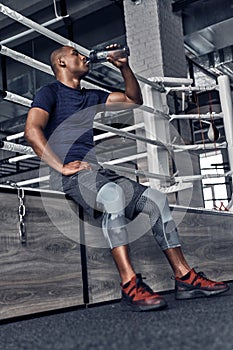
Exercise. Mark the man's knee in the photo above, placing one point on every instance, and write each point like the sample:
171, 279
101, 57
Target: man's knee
111, 200
156, 196
111, 197
160, 199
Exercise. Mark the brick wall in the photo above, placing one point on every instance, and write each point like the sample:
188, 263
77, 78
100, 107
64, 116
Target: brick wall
154, 34
171, 33
143, 37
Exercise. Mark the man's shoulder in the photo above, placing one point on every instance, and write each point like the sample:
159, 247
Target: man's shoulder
98, 93
48, 88
46, 96
93, 91
53, 86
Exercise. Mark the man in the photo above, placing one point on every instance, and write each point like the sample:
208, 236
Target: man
62, 113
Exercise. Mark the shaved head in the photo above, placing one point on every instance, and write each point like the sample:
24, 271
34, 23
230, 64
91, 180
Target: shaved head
67, 62
55, 56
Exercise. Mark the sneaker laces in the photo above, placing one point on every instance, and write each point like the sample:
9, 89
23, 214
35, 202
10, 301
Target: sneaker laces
141, 286
202, 275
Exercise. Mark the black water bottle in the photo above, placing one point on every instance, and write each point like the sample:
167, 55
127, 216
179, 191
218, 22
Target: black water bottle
100, 55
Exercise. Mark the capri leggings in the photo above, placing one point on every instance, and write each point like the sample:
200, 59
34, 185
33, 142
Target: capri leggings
151, 202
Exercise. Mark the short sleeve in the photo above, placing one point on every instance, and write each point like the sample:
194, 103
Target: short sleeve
45, 99
103, 95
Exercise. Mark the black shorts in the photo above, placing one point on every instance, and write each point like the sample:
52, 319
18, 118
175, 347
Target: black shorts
83, 187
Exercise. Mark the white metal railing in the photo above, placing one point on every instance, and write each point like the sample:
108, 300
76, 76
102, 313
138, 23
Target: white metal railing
60, 39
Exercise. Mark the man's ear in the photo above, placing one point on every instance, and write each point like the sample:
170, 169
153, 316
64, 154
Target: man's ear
61, 62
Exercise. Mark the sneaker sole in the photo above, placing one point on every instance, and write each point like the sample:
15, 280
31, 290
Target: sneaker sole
139, 308
198, 293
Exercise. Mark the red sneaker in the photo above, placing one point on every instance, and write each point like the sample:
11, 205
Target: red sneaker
195, 285
138, 296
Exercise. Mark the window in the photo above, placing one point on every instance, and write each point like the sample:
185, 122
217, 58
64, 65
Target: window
214, 188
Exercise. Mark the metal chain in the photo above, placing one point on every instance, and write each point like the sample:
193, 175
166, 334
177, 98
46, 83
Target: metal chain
21, 212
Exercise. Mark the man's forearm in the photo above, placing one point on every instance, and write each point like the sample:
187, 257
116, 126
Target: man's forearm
132, 88
38, 142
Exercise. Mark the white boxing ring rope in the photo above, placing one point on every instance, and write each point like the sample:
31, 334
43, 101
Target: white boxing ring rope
61, 40
26, 59
19, 158
172, 81
176, 148
29, 61
96, 138
196, 116
207, 146
29, 31
26, 102
33, 181
10, 96
40, 29
191, 88
136, 172
177, 180
14, 147
47, 69
110, 134
15, 136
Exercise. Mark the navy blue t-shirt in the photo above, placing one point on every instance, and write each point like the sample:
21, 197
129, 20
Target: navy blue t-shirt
71, 113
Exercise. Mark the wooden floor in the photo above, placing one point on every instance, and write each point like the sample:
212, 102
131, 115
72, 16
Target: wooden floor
54, 271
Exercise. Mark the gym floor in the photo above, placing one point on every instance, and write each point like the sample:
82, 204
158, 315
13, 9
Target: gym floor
200, 324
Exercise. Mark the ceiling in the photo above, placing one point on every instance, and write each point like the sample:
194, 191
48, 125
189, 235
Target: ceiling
208, 27
208, 43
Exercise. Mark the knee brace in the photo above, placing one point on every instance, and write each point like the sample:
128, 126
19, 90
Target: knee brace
155, 204
111, 198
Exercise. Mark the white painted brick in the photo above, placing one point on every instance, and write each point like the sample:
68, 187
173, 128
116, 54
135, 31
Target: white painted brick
154, 27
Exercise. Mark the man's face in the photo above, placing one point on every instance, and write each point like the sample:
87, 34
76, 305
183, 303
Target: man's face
75, 62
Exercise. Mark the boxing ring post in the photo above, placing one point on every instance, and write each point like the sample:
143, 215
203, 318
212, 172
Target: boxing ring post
156, 128
227, 109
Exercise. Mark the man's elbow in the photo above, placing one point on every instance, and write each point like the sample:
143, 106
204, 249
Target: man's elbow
29, 135
140, 101
137, 102
134, 101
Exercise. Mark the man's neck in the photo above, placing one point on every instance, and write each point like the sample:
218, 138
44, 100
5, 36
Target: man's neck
72, 83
